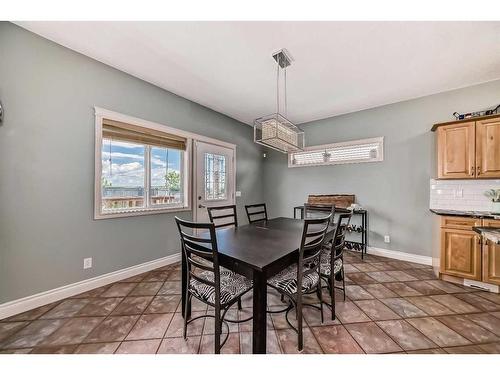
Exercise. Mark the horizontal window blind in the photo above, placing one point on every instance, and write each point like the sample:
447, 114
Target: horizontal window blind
121, 131
359, 151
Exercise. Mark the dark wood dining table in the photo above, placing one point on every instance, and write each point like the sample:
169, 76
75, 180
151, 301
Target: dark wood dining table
257, 251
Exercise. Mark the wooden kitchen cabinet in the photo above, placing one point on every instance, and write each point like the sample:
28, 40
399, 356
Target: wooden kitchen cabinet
491, 257
469, 148
456, 150
488, 148
460, 253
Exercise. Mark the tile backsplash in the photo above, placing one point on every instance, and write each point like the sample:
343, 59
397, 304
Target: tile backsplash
462, 195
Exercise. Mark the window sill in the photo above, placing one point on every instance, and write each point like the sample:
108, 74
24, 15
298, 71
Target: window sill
113, 215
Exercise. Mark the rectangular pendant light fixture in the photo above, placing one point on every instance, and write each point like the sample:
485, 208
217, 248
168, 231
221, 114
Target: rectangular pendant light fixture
275, 130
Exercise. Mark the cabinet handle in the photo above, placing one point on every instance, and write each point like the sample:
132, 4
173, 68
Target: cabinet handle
472, 171
478, 170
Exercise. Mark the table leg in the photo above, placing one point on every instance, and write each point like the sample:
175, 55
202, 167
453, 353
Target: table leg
184, 288
259, 313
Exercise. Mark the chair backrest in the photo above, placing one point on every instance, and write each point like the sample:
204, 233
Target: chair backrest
256, 212
319, 209
200, 252
339, 235
221, 218
313, 238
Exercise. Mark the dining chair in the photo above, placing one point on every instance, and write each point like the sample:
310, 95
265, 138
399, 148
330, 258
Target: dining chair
219, 214
256, 212
332, 258
303, 277
206, 280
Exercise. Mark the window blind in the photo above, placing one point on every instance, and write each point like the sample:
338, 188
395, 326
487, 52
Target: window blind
121, 131
368, 150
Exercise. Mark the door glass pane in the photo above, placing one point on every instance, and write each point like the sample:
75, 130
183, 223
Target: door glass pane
215, 177
166, 177
122, 175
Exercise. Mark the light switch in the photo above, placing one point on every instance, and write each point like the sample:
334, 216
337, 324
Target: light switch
238, 193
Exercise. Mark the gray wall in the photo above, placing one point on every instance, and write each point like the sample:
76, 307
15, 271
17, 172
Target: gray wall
395, 191
47, 165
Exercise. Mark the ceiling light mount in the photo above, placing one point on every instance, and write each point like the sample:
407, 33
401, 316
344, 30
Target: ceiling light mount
283, 58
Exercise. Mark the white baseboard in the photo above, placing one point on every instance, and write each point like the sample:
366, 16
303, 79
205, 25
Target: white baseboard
421, 259
31, 302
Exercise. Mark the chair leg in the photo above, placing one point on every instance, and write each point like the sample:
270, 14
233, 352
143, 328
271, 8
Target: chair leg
188, 296
333, 295
299, 324
239, 304
343, 281
218, 329
320, 297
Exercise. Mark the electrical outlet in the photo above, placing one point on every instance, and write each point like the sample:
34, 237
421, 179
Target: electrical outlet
87, 263
387, 238
459, 193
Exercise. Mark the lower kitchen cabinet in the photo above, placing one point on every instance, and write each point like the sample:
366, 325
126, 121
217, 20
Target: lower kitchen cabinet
491, 261
461, 253
491, 257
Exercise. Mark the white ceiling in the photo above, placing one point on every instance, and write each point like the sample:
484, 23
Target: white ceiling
339, 67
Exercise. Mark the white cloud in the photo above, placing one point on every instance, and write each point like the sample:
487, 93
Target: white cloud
126, 174
132, 174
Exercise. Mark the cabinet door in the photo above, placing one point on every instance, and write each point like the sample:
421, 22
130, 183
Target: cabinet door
491, 263
491, 257
460, 253
488, 148
456, 150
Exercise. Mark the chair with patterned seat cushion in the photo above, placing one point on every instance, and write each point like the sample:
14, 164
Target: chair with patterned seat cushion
304, 276
207, 281
231, 285
335, 262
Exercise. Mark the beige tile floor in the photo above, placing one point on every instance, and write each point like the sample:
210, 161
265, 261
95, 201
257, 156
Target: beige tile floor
391, 307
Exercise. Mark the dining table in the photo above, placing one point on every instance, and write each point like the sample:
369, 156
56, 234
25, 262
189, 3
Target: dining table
258, 251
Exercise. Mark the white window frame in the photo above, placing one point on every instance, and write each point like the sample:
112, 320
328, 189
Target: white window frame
380, 156
186, 171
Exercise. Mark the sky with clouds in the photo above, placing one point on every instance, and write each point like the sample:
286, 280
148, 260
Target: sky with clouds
123, 164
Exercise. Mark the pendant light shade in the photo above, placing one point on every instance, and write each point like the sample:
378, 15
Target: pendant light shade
275, 130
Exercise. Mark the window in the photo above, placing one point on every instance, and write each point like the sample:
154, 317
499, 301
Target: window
359, 151
140, 169
215, 177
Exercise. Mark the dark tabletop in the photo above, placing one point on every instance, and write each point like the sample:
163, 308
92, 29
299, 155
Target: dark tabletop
261, 244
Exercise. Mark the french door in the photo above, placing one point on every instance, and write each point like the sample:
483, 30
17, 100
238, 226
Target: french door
214, 175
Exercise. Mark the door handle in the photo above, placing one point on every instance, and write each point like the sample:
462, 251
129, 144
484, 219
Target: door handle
201, 206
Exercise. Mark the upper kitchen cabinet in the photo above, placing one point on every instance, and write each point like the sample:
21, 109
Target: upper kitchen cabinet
456, 145
488, 148
469, 149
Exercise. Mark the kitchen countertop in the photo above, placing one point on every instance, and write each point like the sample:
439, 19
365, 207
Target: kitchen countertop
489, 233
478, 214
